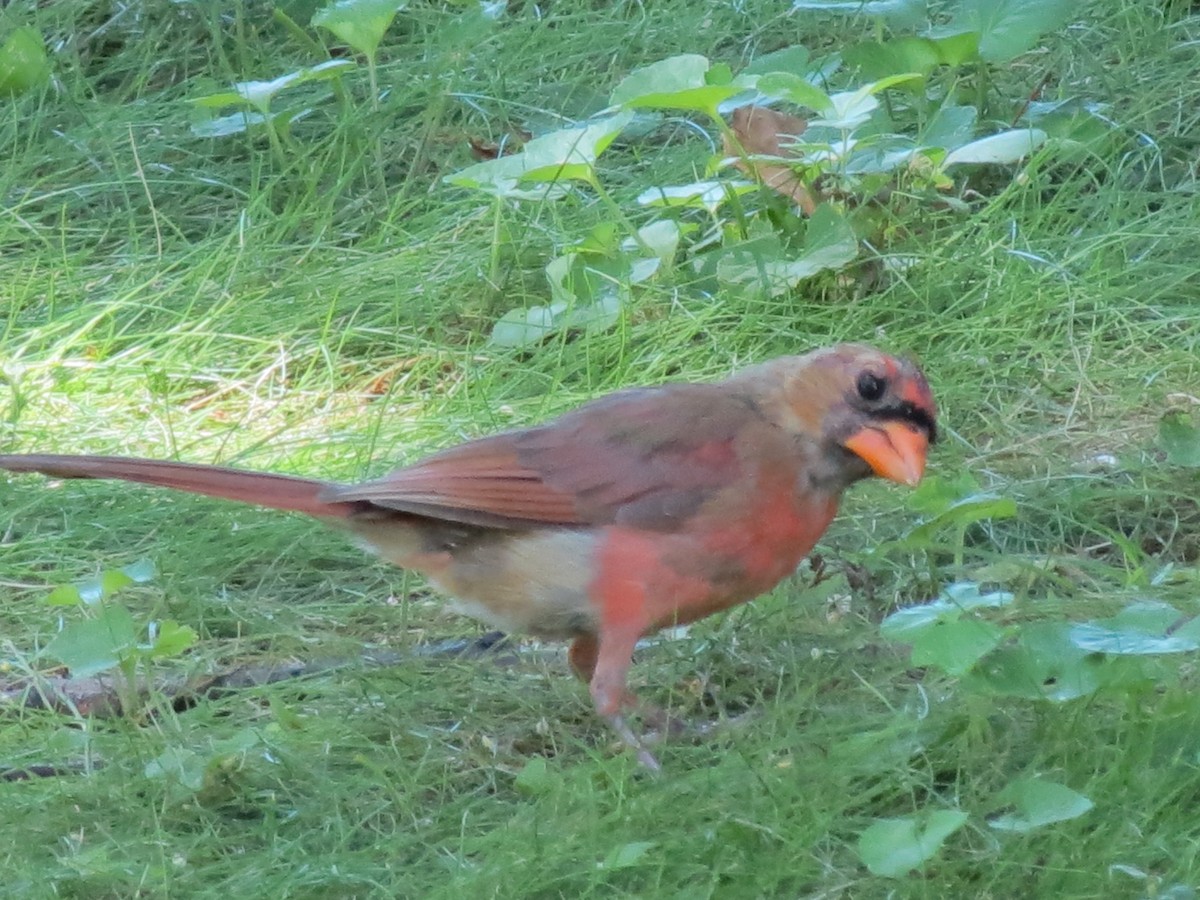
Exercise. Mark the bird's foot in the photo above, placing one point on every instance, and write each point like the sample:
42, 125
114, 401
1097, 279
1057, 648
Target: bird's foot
633, 742
661, 726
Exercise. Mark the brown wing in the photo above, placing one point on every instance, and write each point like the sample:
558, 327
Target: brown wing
646, 457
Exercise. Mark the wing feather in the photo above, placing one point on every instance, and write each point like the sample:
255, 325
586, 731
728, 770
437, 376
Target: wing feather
645, 457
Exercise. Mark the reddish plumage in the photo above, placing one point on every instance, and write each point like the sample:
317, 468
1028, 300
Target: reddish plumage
642, 509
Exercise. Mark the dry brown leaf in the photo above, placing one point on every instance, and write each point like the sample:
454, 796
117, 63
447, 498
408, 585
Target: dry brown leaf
484, 150
759, 130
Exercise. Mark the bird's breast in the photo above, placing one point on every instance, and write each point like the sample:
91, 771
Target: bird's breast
716, 562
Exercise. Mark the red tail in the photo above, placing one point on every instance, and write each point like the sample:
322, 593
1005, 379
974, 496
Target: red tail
260, 488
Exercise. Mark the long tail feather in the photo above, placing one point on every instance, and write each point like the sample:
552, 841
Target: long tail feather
261, 488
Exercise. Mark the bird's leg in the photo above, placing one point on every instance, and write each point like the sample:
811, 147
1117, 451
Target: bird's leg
603, 663
660, 723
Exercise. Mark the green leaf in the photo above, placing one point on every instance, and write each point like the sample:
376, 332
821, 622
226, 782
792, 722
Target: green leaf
950, 127
678, 82
965, 595
169, 639
1070, 120
830, 244
955, 647
580, 279
535, 778
959, 514
1043, 665
1039, 802
97, 644
65, 595
626, 856
900, 13
223, 126
795, 89
179, 764
719, 74
955, 47
829, 232
359, 23
1009, 28
1149, 616
141, 571
105, 586
566, 154
260, 94
706, 195
1004, 147
789, 59
1138, 630
671, 75
662, 236
528, 326
24, 64
894, 847
907, 54
908, 623
849, 109
1180, 440
937, 493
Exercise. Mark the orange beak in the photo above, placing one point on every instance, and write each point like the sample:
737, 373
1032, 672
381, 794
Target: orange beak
893, 450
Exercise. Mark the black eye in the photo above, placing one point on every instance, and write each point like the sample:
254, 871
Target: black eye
871, 387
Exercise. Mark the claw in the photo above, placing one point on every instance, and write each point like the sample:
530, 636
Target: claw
625, 733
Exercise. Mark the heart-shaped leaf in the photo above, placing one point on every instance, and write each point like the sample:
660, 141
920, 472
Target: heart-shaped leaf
1038, 803
954, 647
1008, 28
96, 644
894, 847
359, 23
687, 82
563, 155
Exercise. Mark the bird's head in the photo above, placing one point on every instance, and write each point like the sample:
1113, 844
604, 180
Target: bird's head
874, 413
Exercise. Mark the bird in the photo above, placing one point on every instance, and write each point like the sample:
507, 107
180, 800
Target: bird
646, 508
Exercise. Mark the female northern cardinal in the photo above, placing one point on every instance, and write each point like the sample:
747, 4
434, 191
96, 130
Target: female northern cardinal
643, 509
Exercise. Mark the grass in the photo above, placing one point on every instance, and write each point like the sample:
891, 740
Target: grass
170, 296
